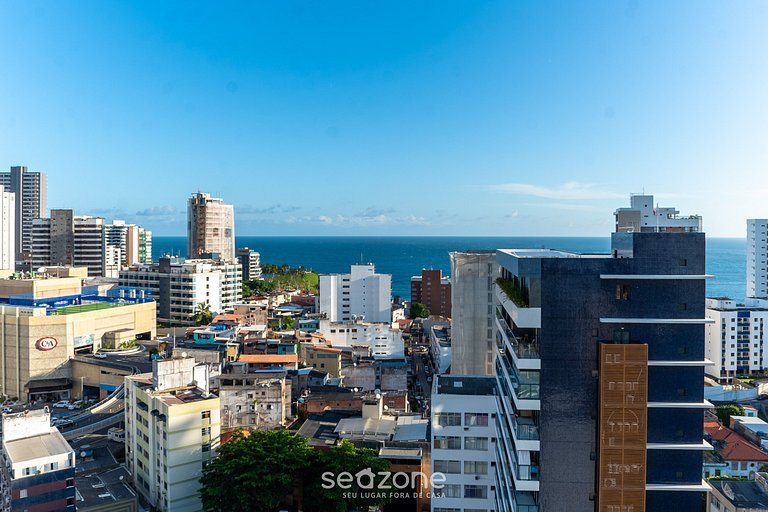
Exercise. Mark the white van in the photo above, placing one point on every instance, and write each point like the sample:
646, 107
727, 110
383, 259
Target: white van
116, 434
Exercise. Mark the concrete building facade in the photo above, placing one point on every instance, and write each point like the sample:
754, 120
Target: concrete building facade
433, 290
473, 276
251, 262
646, 217
360, 295
179, 287
259, 400
69, 240
383, 340
172, 431
30, 190
757, 255
7, 232
210, 227
736, 339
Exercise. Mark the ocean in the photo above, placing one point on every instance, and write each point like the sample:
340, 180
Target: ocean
404, 257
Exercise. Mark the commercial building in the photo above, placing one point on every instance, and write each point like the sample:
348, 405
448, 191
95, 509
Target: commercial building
600, 370
251, 262
37, 465
360, 295
757, 255
172, 431
45, 320
383, 340
433, 290
473, 275
464, 435
260, 400
179, 286
30, 190
7, 232
736, 339
210, 227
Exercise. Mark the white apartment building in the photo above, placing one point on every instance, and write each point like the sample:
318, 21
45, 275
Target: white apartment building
30, 189
385, 341
736, 340
210, 227
474, 275
65, 239
360, 295
179, 287
251, 262
464, 442
134, 242
644, 215
757, 255
172, 431
7, 231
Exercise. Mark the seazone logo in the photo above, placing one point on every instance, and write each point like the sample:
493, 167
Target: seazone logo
47, 343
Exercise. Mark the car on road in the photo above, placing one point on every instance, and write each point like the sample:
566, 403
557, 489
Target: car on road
75, 405
100, 355
61, 404
63, 423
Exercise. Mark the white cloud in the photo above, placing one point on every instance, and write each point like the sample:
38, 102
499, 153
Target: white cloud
569, 190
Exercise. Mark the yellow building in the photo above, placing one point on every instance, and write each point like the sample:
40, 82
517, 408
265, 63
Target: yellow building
172, 429
322, 358
45, 320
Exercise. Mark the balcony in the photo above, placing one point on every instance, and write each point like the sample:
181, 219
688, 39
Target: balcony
524, 348
525, 383
525, 428
522, 315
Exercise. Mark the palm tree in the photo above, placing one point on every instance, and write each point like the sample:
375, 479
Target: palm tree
203, 315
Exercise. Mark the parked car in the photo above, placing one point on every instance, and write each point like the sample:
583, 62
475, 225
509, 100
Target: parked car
62, 404
75, 405
100, 355
63, 423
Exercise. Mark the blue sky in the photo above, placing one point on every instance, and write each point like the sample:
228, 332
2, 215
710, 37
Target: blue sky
391, 118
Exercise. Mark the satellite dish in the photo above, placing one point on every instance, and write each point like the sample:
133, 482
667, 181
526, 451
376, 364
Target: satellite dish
377, 391
183, 354
386, 407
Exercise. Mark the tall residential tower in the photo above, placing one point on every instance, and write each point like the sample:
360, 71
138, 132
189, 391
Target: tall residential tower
210, 227
757, 255
30, 190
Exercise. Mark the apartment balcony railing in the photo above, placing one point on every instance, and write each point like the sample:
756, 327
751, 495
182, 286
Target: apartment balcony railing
524, 349
525, 429
522, 386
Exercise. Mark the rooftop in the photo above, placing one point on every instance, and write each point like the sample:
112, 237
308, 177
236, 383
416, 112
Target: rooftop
37, 447
268, 358
466, 385
742, 494
183, 396
548, 253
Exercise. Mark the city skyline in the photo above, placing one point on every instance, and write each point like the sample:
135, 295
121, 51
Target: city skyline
483, 119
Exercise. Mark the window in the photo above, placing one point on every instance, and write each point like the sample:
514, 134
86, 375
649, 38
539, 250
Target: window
448, 419
205, 414
622, 292
22, 493
476, 491
475, 467
447, 443
476, 443
452, 491
472, 419
206, 431
448, 466
70, 482
621, 336
207, 447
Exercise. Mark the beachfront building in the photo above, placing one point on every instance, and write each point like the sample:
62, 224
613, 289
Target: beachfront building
646, 217
736, 338
433, 290
172, 431
29, 189
473, 343
179, 287
360, 295
251, 262
600, 369
37, 465
46, 320
134, 242
757, 258
210, 227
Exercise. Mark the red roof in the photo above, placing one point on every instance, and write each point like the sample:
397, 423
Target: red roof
736, 447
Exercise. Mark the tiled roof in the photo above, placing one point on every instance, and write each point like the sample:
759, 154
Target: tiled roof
735, 446
268, 358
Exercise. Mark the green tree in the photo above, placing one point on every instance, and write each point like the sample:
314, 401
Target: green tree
344, 458
203, 315
255, 471
419, 310
724, 412
247, 290
288, 323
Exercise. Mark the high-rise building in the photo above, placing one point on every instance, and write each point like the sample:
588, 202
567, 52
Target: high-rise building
643, 216
30, 190
600, 370
360, 295
251, 262
7, 231
179, 287
433, 290
69, 240
473, 275
172, 431
134, 242
737, 341
210, 227
757, 258
37, 465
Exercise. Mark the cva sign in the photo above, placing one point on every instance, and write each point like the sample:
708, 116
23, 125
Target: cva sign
47, 343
